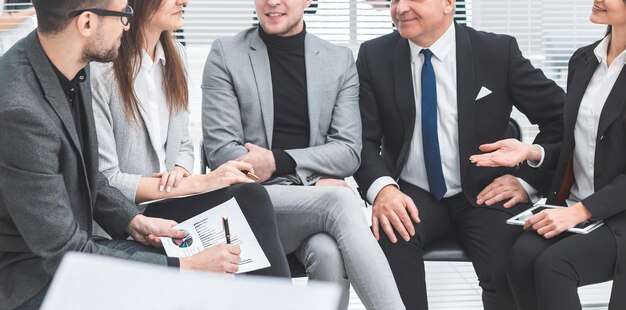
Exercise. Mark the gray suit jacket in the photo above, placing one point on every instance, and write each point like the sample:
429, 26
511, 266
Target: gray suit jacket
49, 190
127, 149
238, 105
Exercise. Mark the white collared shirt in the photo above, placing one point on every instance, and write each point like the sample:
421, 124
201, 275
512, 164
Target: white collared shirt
588, 119
444, 65
150, 92
414, 171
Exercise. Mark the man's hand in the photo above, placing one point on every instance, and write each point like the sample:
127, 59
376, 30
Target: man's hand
502, 188
219, 258
171, 179
507, 153
552, 222
147, 230
261, 159
333, 182
391, 211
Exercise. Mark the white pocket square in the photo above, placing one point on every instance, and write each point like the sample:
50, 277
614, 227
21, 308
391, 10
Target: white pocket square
484, 92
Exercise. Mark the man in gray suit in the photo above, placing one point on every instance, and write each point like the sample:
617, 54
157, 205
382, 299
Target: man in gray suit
50, 187
287, 102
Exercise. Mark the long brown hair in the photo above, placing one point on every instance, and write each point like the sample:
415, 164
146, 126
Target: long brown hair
126, 66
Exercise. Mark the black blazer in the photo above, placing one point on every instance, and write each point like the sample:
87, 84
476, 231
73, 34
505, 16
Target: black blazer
608, 202
483, 59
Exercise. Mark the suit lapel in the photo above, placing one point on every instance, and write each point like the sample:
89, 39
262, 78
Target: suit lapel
262, 76
466, 92
405, 96
315, 77
614, 104
144, 114
52, 88
59, 103
173, 134
581, 76
90, 151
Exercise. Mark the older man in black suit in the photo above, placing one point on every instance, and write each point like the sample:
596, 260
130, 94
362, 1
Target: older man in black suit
430, 94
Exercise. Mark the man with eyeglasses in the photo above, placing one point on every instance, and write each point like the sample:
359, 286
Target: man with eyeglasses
50, 187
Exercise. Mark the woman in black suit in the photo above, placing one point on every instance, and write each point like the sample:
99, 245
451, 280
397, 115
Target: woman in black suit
548, 264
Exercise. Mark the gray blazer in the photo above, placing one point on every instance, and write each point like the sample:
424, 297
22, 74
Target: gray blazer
126, 148
49, 190
238, 105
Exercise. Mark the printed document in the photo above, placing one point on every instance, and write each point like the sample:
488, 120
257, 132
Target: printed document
205, 230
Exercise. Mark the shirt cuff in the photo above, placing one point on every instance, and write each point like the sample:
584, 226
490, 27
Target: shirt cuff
285, 164
537, 164
530, 191
378, 185
173, 262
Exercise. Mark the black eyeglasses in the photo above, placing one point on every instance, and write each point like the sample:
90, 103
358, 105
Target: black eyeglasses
125, 16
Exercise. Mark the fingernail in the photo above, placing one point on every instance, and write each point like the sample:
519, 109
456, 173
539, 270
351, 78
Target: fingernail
161, 188
169, 189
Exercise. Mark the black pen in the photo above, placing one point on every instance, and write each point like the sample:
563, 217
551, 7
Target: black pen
226, 228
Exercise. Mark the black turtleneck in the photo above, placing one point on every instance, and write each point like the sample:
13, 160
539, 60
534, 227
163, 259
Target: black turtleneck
291, 114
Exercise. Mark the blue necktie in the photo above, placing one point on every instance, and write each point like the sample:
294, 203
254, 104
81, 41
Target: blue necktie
430, 140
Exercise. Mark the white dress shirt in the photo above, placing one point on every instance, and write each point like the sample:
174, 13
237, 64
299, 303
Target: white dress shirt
414, 171
149, 90
588, 119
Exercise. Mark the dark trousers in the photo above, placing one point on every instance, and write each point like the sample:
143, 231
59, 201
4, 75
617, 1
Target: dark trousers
482, 231
256, 206
546, 273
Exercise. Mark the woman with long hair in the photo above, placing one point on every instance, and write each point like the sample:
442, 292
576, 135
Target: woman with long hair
547, 263
141, 112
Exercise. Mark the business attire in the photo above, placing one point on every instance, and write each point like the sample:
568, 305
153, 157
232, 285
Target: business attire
475, 79
590, 168
157, 141
51, 188
323, 225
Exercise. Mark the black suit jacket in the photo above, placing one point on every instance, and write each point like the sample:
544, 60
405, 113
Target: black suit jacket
608, 202
483, 59
50, 191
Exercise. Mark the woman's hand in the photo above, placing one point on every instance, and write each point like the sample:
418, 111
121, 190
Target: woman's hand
552, 222
226, 175
171, 179
508, 153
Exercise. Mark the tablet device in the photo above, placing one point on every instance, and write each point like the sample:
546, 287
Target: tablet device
582, 228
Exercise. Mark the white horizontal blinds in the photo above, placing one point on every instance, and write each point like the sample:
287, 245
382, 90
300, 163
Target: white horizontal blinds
207, 20
548, 32
16, 21
346, 22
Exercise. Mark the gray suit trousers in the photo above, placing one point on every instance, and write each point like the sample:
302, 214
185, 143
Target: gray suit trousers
307, 218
